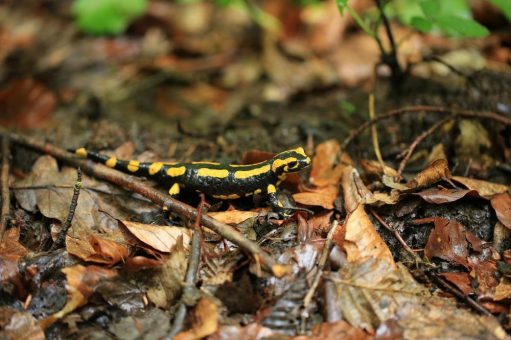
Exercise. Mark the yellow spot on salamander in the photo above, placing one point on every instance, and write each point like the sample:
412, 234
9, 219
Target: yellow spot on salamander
133, 166
257, 191
81, 152
216, 173
254, 172
176, 171
271, 189
111, 162
174, 189
205, 163
155, 168
227, 197
300, 151
279, 203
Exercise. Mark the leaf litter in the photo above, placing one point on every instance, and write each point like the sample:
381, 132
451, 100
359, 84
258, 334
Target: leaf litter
123, 251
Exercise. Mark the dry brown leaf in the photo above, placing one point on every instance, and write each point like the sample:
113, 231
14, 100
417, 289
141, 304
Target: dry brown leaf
92, 248
438, 152
460, 280
334, 331
503, 290
205, 321
234, 216
473, 136
372, 291
19, 325
434, 172
355, 191
251, 331
322, 197
81, 282
444, 195
360, 239
484, 188
161, 238
373, 167
502, 205
326, 166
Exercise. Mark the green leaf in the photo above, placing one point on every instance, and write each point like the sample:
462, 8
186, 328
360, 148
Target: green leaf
458, 26
431, 8
421, 24
106, 16
341, 5
504, 6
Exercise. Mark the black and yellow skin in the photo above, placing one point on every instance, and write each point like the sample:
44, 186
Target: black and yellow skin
223, 181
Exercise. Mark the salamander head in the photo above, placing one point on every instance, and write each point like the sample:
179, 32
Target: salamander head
290, 161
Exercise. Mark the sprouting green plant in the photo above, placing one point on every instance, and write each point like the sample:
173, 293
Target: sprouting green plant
106, 16
450, 18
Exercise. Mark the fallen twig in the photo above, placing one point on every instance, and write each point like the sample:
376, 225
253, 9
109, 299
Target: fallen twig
321, 266
157, 197
4, 183
417, 141
395, 233
414, 109
191, 271
59, 242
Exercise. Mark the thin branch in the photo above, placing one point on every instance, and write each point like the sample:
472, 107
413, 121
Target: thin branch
59, 242
162, 199
374, 133
4, 183
417, 141
191, 271
396, 234
425, 108
392, 56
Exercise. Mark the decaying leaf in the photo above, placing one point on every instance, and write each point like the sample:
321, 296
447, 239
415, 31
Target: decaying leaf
161, 238
503, 290
321, 197
93, 248
234, 216
434, 172
205, 321
502, 205
473, 136
19, 325
166, 281
372, 291
360, 239
334, 331
444, 195
484, 188
81, 282
326, 165
437, 318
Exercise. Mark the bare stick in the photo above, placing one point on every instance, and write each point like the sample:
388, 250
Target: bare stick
417, 141
4, 182
191, 271
135, 185
395, 233
59, 242
425, 108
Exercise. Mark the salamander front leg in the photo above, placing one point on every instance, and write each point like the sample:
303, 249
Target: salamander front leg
284, 209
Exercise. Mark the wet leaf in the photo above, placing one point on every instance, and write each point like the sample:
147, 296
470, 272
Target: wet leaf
434, 172
484, 188
205, 318
502, 205
161, 238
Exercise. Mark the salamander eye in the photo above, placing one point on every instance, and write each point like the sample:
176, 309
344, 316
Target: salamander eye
292, 165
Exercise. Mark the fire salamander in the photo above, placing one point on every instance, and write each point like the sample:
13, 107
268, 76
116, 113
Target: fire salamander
223, 181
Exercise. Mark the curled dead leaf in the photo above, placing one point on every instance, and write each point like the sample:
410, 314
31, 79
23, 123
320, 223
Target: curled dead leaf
484, 188
434, 172
322, 197
205, 321
502, 205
